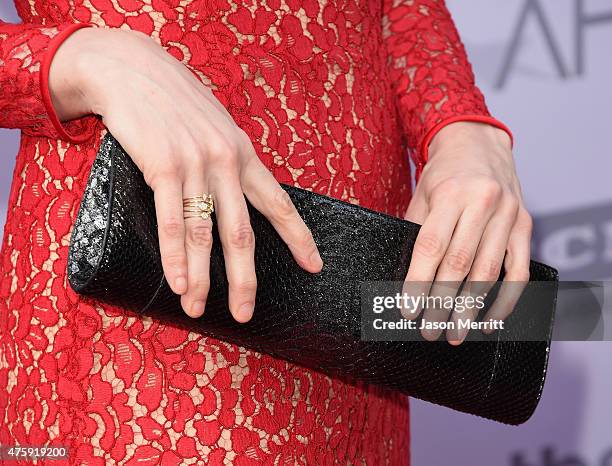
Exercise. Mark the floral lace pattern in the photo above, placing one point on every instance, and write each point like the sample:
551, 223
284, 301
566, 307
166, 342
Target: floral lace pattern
21, 105
333, 95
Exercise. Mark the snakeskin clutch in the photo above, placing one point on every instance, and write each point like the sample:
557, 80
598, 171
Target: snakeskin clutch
309, 319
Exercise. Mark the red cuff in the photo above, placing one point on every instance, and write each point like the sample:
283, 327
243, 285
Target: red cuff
478, 118
54, 44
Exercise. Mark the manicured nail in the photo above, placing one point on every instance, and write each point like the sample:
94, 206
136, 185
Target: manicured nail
197, 308
245, 312
315, 259
181, 284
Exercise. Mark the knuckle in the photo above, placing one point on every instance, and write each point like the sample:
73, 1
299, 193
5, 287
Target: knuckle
459, 261
450, 187
490, 192
242, 237
428, 245
173, 227
172, 168
247, 286
306, 241
224, 151
512, 204
164, 174
283, 206
194, 155
200, 235
200, 284
490, 270
519, 274
175, 261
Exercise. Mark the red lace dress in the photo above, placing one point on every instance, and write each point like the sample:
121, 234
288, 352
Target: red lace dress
334, 94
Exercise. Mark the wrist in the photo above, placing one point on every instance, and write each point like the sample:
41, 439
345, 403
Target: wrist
70, 73
464, 134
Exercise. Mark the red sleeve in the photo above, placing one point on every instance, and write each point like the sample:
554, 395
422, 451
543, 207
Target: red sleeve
26, 51
431, 74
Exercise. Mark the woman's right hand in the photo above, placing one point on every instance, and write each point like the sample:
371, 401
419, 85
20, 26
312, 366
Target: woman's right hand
185, 143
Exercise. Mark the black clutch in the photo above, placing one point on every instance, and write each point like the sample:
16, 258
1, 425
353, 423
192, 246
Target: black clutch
313, 320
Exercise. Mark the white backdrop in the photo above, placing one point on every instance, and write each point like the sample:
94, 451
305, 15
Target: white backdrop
560, 116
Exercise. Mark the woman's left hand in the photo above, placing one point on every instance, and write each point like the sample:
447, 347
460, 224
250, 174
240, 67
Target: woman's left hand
473, 218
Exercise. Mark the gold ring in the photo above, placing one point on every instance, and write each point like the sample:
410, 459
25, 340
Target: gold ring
198, 206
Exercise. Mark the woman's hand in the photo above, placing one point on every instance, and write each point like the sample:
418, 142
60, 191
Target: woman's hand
470, 205
185, 143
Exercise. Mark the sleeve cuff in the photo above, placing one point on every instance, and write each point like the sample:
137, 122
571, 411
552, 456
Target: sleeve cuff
424, 149
76, 131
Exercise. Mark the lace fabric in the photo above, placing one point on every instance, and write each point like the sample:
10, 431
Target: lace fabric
333, 95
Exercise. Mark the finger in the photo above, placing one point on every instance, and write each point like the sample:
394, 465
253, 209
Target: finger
519, 248
171, 229
516, 267
269, 198
460, 254
429, 248
413, 292
509, 293
469, 304
238, 243
486, 266
198, 244
492, 248
440, 305
432, 241
455, 266
417, 213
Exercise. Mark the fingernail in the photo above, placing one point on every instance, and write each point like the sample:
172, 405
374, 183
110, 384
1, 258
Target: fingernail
430, 334
197, 308
245, 312
315, 259
180, 283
